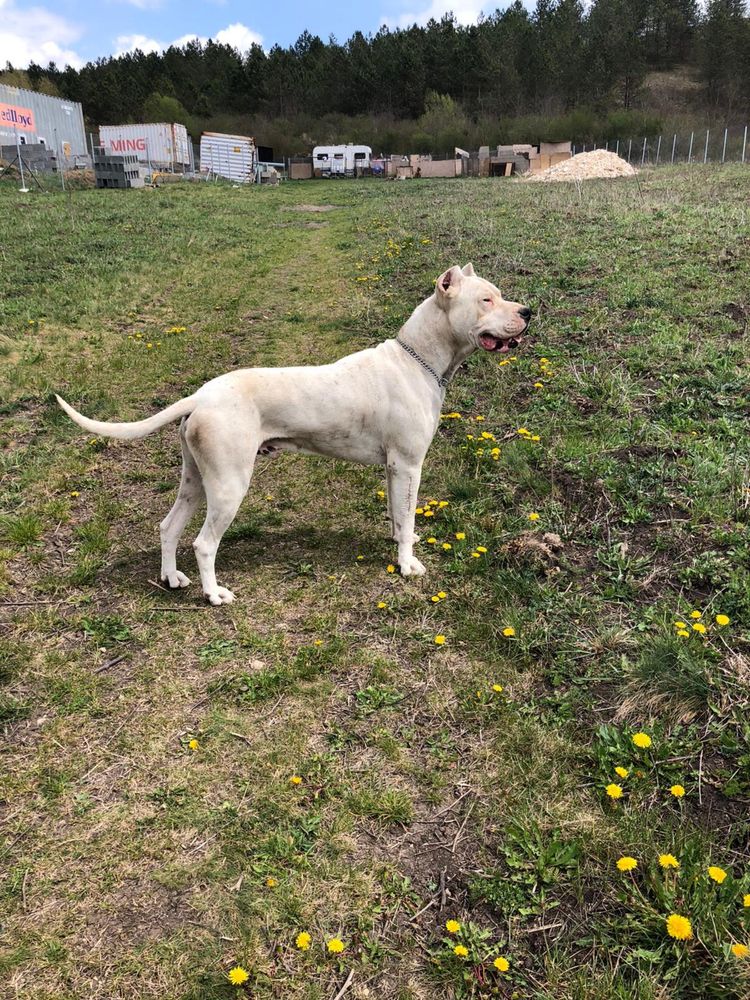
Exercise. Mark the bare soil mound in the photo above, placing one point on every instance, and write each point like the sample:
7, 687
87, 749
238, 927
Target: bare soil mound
587, 166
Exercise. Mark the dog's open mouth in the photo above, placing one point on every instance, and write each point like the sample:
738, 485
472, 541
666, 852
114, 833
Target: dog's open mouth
502, 344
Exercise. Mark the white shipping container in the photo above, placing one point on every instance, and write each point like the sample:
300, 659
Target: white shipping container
157, 144
232, 156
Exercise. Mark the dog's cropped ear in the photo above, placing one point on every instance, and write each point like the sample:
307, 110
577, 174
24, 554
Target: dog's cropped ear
468, 270
447, 285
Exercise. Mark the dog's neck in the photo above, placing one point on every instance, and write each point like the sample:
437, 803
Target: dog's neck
428, 332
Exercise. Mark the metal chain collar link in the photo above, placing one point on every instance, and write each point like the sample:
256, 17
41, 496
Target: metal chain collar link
442, 381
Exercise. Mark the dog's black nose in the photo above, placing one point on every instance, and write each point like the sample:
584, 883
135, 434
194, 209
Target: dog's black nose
525, 313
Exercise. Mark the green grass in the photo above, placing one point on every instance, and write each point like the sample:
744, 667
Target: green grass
136, 865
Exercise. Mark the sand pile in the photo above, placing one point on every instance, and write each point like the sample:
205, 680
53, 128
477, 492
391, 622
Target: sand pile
586, 166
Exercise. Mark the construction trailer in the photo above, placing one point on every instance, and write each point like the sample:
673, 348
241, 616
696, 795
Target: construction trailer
347, 160
158, 145
45, 123
234, 157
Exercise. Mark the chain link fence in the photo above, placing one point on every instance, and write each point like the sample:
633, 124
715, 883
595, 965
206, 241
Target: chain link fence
722, 145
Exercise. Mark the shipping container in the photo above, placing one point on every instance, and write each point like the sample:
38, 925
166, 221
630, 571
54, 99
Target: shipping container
28, 118
158, 145
341, 161
232, 156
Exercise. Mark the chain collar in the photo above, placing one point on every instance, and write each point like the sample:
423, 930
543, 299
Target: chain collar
442, 381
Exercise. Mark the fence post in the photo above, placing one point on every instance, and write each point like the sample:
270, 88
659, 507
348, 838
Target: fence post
658, 150
630, 146
606, 145
674, 145
643, 154
617, 151
705, 148
744, 143
724, 150
690, 151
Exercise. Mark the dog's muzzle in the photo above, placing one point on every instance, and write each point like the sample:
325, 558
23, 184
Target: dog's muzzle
501, 345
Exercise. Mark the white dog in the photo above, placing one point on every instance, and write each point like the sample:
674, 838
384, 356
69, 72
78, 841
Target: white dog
380, 406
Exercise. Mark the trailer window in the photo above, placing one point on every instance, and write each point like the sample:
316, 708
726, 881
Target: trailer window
322, 156
338, 156
360, 156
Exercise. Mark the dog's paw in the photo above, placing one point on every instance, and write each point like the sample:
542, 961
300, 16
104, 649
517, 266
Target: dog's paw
412, 567
176, 580
220, 596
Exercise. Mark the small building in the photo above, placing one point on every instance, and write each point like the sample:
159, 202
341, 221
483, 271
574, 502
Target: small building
158, 145
29, 118
234, 157
347, 160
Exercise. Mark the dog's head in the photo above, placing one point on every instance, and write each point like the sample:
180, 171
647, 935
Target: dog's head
477, 311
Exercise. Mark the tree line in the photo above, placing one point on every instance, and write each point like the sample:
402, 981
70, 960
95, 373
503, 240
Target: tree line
562, 66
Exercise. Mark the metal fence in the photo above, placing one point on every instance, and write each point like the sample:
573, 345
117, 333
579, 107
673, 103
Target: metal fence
722, 145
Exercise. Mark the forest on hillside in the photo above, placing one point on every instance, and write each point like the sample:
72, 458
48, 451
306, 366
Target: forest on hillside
561, 70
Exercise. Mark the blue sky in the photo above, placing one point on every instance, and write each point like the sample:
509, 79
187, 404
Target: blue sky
75, 31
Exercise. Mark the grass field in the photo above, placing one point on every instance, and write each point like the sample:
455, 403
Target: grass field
153, 836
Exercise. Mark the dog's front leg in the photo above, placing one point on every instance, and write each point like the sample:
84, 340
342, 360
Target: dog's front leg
403, 489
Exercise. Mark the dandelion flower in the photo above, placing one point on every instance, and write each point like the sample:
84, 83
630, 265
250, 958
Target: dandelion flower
439, 640
447, 546
434, 598
193, 744
700, 628
679, 927
429, 513
535, 437
460, 535
390, 568
442, 595
622, 772
475, 555
722, 619
303, 941
696, 614
237, 976
501, 964
497, 688
614, 791
295, 780
677, 790
533, 516
75, 493
683, 632
680, 624
382, 604
481, 548
336, 946
431, 540
271, 882
381, 494
668, 861
746, 899
480, 417
740, 950
642, 740
626, 864
461, 950
522, 430
717, 874
452, 926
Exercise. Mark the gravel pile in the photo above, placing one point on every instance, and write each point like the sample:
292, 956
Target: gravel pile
586, 166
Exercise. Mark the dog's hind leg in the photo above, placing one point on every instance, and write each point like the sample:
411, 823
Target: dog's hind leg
171, 528
225, 455
403, 488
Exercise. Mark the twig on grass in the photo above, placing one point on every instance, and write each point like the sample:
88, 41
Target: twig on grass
542, 927
109, 663
346, 985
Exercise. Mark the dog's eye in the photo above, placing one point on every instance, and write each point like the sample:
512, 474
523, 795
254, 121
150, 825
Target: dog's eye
486, 300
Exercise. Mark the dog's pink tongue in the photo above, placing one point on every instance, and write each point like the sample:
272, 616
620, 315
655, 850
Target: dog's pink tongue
503, 348
488, 342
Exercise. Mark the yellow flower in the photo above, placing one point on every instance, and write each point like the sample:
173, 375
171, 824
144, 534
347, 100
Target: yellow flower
303, 941
390, 568
431, 541
442, 595
360, 558
479, 418
627, 864
460, 535
488, 436
539, 385
614, 791
447, 546
382, 604
452, 926
336, 946
699, 627
683, 632
193, 744
746, 899
534, 516
679, 927
509, 631
535, 437
429, 513
622, 772
668, 861
237, 976
434, 598
318, 642
740, 950
522, 430
295, 780
642, 740
475, 555
439, 640
381, 494
680, 624
443, 503
717, 874
419, 510
501, 964
461, 950
481, 548
722, 619
678, 791
695, 614
271, 882
497, 687
75, 493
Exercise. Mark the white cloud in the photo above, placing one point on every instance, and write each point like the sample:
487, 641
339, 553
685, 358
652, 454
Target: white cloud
465, 12
238, 35
36, 35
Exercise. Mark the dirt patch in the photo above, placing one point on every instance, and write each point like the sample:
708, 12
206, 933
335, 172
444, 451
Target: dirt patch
310, 208
585, 167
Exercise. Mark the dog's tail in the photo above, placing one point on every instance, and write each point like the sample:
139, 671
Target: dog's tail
137, 429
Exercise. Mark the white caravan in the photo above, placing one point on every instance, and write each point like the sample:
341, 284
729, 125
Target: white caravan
341, 161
